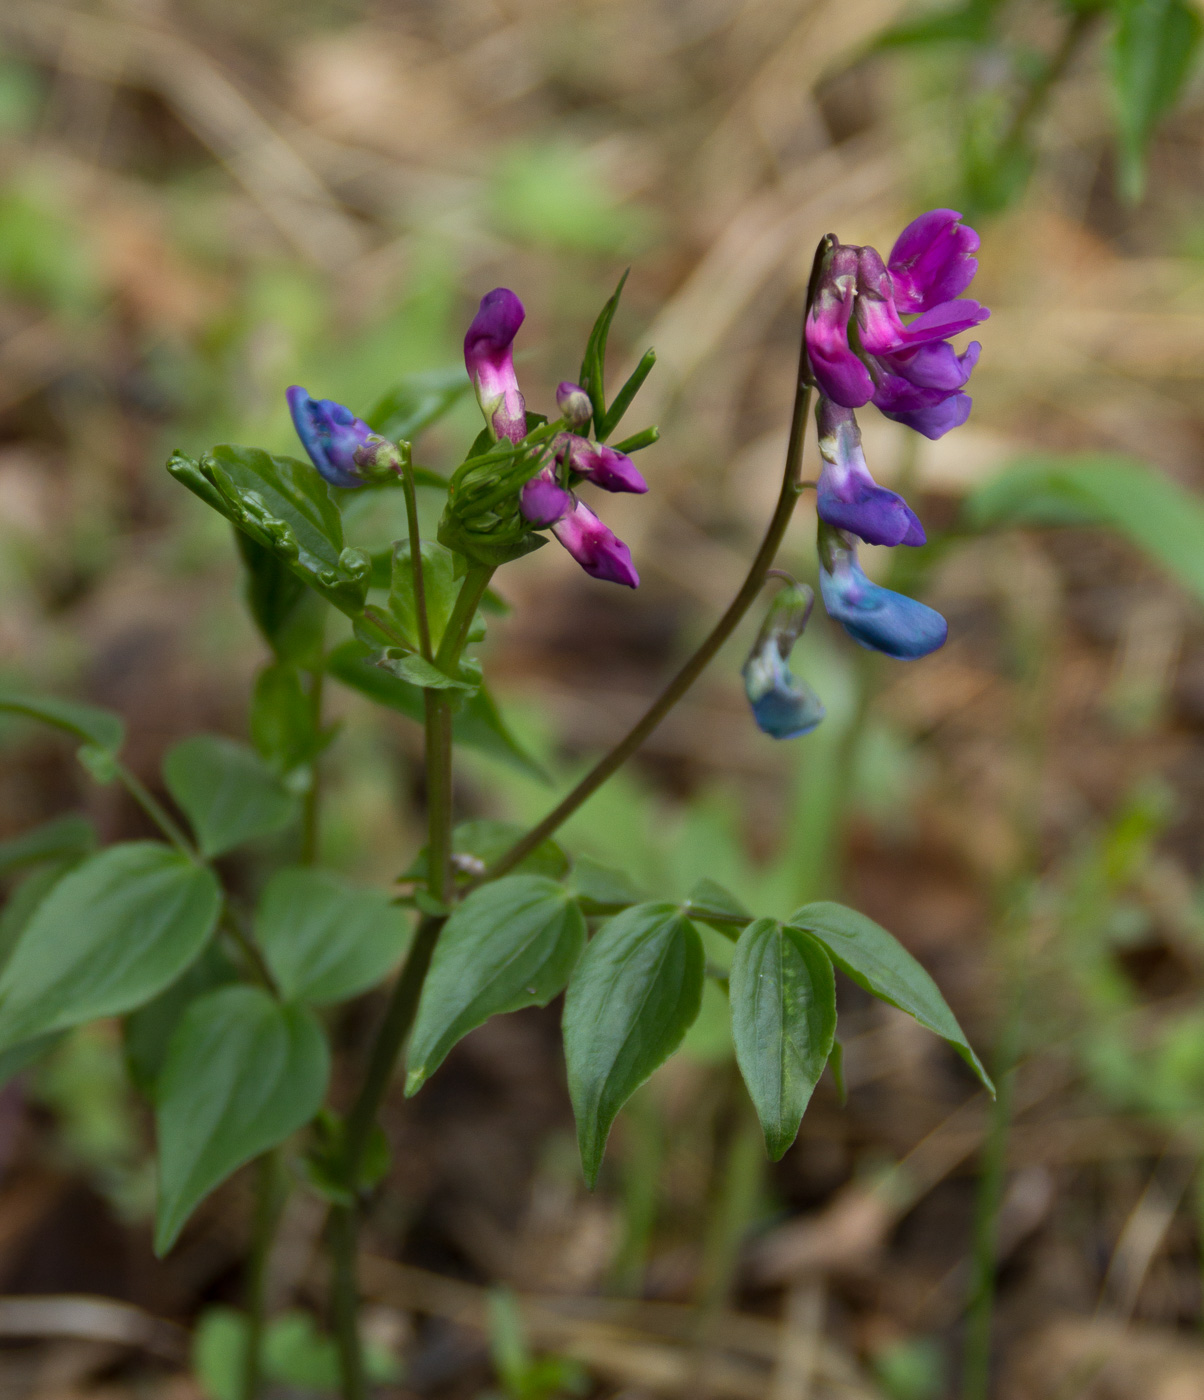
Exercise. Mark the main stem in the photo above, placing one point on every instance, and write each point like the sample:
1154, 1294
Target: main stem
697, 663
267, 1204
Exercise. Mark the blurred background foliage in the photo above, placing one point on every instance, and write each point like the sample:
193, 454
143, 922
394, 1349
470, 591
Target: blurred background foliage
201, 203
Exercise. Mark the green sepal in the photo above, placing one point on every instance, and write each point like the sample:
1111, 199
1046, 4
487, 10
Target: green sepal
638, 441
593, 364
622, 401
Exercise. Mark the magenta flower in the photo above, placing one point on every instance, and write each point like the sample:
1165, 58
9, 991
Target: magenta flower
841, 376
598, 550
932, 260
574, 403
490, 363
543, 500
847, 495
611, 470
908, 369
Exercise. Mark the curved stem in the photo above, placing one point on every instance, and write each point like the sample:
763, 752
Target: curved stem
694, 667
155, 810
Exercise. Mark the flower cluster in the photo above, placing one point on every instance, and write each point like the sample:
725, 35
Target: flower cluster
548, 500
860, 350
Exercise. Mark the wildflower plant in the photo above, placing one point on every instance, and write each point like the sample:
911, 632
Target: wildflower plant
222, 1004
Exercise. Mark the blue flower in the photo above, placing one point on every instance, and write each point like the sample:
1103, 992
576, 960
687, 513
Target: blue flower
343, 447
783, 706
876, 617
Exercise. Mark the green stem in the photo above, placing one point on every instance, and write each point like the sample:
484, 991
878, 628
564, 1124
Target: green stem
155, 811
424, 624
233, 924
455, 635
390, 1038
438, 794
694, 667
267, 1213
344, 1291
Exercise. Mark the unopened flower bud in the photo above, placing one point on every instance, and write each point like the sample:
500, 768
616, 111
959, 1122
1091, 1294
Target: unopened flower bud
611, 470
343, 447
574, 404
783, 706
489, 359
596, 548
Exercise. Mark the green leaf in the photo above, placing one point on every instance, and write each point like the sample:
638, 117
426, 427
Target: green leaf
418, 671
634, 995
1153, 48
711, 904
512, 943
1158, 515
109, 936
601, 889
88, 723
19, 1057
614, 414
290, 616
638, 441
877, 961
783, 997
593, 366
416, 402
282, 722
291, 491
324, 939
146, 1033
24, 899
243, 1072
64, 837
226, 791
478, 724
439, 583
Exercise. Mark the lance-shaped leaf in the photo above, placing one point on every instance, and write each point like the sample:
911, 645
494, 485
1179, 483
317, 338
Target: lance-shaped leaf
243, 1072
593, 365
88, 723
228, 793
108, 936
290, 490
783, 997
877, 961
622, 402
324, 939
511, 944
634, 995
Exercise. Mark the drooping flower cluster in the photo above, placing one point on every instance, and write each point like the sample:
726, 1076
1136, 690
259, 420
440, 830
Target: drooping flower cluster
860, 350
548, 500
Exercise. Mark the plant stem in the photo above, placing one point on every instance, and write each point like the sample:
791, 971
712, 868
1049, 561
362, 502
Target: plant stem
155, 811
233, 924
455, 635
438, 794
267, 1212
424, 623
344, 1289
694, 667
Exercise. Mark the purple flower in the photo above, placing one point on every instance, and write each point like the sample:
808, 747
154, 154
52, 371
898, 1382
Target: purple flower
344, 449
611, 470
932, 260
916, 371
598, 550
875, 617
847, 495
841, 376
574, 403
487, 354
543, 500
783, 706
